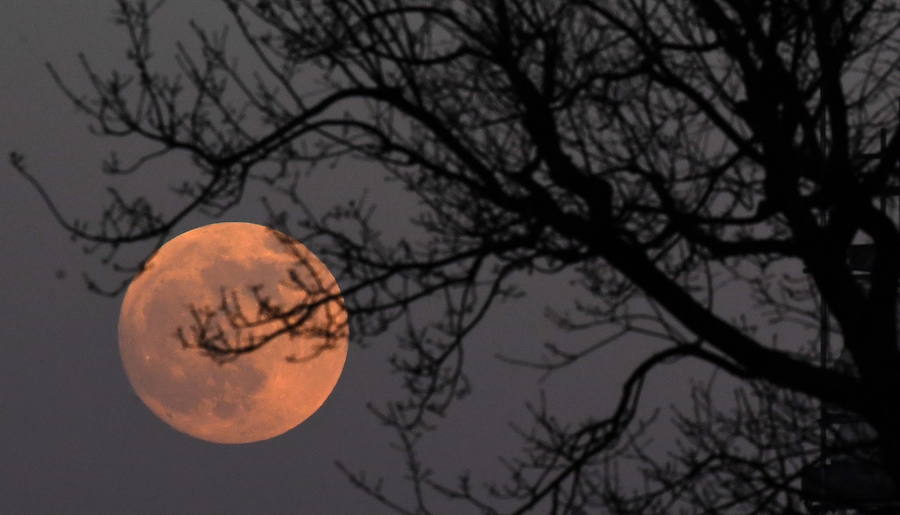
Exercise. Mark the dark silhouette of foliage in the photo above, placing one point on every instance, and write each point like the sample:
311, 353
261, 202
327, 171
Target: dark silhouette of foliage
664, 153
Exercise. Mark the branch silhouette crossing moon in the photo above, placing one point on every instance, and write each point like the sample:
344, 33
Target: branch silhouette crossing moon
233, 333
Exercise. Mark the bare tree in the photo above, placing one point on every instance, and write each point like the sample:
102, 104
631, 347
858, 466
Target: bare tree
662, 151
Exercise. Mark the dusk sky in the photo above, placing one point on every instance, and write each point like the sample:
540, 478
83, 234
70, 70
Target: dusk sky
76, 439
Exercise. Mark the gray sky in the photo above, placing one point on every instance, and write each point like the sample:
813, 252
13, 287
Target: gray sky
75, 439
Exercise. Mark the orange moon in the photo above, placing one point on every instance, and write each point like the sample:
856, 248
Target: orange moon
202, 284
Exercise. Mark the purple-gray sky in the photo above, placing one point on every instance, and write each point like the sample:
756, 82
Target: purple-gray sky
73, 436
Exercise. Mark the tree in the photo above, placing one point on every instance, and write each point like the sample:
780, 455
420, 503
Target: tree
656, 149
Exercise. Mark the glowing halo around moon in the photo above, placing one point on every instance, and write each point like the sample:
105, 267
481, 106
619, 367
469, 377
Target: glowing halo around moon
202, 283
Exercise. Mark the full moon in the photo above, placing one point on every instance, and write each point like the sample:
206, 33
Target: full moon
233, 333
